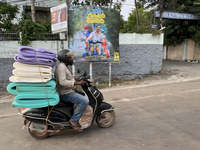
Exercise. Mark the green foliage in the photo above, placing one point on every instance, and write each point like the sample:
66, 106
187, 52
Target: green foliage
30, 30
122, 25
155, 32
195, 30
7, 14
130, 26
144, 19
177, 31
46, 23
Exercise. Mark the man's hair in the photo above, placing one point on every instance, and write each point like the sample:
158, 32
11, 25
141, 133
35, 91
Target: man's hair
98, 25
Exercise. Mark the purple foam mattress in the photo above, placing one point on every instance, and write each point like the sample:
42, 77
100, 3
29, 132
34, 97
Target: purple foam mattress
34, 61
39, 53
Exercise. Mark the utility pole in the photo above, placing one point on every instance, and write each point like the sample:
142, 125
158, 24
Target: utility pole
111, 4
69, 2
33, 10
161, 12
58, 2
136, 9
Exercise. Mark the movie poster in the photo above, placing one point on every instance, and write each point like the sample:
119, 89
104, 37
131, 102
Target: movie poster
93, 33
59, 18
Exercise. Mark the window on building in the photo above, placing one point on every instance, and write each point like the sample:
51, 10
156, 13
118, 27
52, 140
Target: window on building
42, 13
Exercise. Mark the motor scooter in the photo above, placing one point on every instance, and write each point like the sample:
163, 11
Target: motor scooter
40, 126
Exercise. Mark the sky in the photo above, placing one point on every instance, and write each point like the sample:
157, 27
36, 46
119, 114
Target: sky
127, 8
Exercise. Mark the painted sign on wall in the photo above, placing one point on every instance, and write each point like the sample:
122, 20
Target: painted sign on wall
93, 33
174, 15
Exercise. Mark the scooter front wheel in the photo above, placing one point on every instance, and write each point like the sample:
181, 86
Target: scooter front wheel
106, 119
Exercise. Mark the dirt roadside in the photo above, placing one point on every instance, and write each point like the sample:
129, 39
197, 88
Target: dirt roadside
172, 71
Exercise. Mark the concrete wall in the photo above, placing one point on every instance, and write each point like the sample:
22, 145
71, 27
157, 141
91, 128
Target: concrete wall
190, 49
175, 53
8, 49
183, 51
137, 58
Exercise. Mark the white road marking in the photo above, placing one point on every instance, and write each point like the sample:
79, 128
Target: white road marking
8, 115
150, 96
6, 100
154, 84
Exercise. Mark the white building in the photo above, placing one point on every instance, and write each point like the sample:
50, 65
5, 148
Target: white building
42, 7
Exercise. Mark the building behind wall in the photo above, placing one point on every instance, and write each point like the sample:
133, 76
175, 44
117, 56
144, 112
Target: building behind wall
42, 8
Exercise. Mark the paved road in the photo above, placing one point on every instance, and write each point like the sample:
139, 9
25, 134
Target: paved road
157, 117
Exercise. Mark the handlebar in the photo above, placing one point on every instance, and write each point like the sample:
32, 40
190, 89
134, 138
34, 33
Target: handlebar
85, 77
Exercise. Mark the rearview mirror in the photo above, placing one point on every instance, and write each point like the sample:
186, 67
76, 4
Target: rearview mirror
78, 71
85, 73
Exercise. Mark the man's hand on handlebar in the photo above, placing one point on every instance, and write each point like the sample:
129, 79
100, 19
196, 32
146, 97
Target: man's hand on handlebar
80, 83
76, 79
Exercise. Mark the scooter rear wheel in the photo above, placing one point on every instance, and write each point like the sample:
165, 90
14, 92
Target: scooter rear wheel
37, 135
106, 119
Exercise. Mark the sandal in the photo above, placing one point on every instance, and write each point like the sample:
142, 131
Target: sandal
76, 127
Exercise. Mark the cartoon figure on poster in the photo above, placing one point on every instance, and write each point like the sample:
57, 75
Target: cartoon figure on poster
96, 36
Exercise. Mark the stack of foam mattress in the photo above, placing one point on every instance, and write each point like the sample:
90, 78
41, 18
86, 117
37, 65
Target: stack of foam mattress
32, 81
33, 65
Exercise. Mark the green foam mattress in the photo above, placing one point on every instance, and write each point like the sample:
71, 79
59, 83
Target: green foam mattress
35, 100
17, 88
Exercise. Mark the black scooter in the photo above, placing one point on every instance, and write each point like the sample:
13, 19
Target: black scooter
40, 126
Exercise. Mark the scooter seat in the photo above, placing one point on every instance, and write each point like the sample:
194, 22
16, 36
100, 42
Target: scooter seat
64, 104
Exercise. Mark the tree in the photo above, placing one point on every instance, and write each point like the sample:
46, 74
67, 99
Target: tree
122, 25
130, 26
144, 27
178, 30
7, 14
136, 10
30, 30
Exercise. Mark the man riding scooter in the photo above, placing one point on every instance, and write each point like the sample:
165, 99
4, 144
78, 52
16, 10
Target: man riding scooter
66, 88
